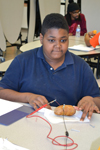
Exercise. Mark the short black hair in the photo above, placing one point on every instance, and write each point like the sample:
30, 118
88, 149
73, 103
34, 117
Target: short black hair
54, 20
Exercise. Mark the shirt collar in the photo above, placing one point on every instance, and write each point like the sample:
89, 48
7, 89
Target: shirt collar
68, 57
40, 53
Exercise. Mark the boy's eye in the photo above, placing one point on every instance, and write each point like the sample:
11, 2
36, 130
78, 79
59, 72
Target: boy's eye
51, 40
63, 40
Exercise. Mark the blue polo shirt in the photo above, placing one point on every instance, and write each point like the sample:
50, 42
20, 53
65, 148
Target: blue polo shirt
29, 72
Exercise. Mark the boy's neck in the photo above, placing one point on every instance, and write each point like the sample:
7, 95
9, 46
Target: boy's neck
55, 63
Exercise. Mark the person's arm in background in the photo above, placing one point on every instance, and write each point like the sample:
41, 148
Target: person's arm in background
92, 39
83, 25
72, 29
87, 38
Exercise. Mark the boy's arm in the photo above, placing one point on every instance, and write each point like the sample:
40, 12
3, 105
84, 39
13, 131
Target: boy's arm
72, 29
88, 104
33, 99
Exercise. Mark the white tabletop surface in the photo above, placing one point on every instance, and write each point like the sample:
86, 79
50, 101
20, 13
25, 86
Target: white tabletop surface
11, 20
5, 65
32, 133
72, 41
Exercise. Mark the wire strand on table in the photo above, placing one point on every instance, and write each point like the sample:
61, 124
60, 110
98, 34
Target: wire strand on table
54, 141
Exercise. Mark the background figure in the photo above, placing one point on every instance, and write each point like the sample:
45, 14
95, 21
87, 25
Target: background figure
92, 39
74, 17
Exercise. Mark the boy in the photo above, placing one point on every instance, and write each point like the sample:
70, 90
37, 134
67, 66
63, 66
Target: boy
74, 17
51, 72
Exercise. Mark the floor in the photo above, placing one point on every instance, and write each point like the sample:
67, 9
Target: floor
12, 51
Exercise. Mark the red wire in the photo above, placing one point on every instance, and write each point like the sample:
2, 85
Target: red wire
54, 140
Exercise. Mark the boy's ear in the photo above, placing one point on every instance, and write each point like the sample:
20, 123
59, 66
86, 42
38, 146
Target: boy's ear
41, 38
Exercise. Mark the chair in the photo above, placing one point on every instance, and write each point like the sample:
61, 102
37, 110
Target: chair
46, 7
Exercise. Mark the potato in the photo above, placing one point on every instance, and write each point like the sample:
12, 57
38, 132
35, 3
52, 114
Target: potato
69, 110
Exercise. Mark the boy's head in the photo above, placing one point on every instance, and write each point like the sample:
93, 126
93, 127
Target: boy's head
54, 20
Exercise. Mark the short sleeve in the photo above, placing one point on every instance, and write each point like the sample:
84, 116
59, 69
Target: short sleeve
12, 76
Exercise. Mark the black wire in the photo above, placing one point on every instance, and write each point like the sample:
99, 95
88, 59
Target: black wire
66, 132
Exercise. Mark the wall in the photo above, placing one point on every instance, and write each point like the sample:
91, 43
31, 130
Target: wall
91, 10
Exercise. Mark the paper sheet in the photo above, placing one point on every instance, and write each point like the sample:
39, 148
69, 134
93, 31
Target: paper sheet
7, 106
81, 47
6, 145
49, 114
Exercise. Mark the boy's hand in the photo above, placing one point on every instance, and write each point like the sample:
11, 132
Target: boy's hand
37, 101
88, 106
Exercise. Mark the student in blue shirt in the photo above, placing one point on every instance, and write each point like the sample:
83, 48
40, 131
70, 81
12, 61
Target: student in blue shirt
50, 72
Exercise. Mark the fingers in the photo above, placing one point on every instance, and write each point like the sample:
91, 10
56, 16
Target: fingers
88, 106
48, 107
77, 108
89, 111
37, 101
36, 106
86, 111
90, 33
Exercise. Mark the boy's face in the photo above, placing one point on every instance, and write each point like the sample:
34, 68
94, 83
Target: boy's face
55, 44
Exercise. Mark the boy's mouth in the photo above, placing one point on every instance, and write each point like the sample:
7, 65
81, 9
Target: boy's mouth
57, 51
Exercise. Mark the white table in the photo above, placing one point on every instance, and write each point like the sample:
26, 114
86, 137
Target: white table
5, 65
72, 41
31, 133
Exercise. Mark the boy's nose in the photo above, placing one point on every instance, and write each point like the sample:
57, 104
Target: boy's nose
58, 44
